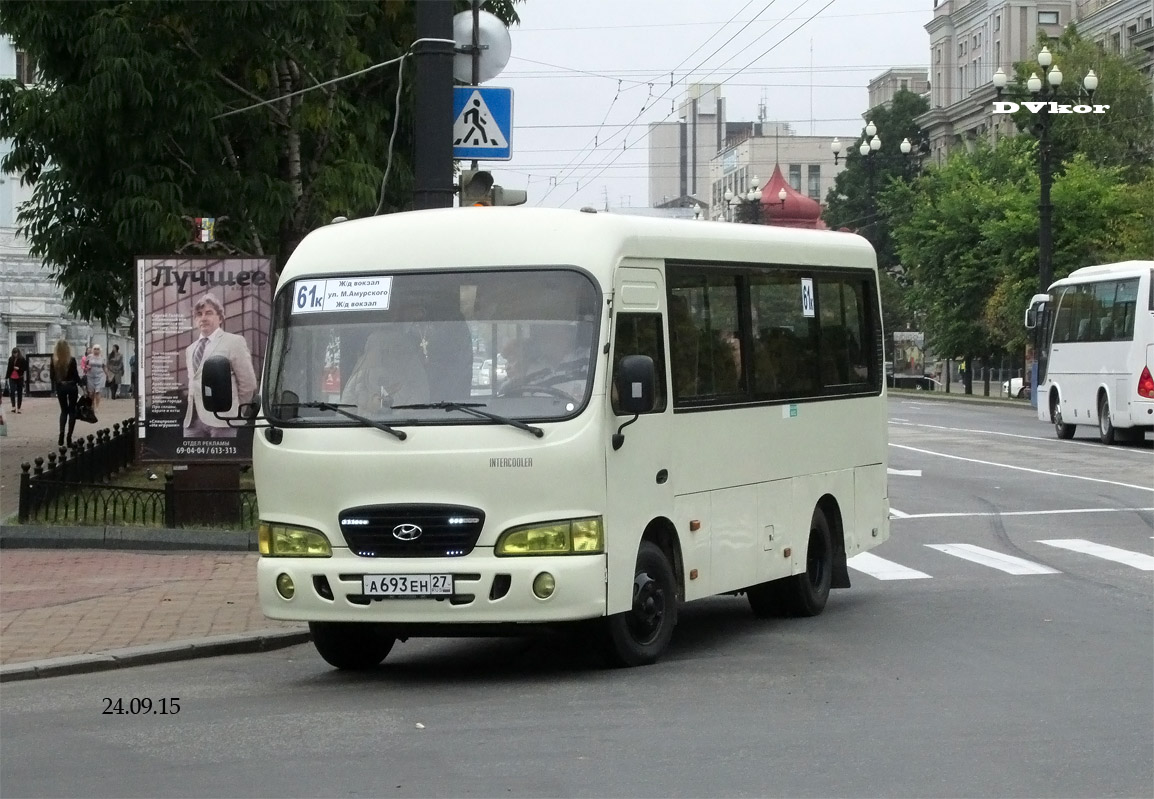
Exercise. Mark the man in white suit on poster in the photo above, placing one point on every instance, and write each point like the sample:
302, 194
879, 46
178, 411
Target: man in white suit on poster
214, 341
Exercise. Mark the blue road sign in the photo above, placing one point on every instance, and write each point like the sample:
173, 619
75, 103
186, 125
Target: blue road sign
482, 123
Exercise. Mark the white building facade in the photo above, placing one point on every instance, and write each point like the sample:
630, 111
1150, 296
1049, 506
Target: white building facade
971, 39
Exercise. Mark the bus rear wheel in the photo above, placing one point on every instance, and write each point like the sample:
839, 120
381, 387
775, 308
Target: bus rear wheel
802, 594
354, 646
638, 636
1105, 424
1062, 429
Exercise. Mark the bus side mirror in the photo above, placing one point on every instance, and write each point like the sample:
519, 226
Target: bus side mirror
634, 380
1031, 317
633, 383
216, 384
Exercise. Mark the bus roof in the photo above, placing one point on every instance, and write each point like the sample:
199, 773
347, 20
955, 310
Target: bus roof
500, 236
1120, 269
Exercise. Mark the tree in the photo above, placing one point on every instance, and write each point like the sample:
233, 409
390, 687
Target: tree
132, 131
852, 203
1123, 135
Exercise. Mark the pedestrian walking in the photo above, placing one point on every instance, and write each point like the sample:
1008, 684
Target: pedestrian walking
66, 386
132, 376
96, 375
17, 374
115, 371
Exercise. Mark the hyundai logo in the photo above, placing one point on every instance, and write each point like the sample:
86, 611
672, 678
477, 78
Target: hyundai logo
407, 532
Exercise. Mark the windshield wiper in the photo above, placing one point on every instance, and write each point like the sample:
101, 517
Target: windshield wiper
329, 406
474, 409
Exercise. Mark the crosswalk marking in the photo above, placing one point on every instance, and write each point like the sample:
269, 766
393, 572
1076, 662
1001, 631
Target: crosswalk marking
995, 560
1124, 556
882, 569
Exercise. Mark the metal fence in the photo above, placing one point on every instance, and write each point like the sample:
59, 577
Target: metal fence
72, 487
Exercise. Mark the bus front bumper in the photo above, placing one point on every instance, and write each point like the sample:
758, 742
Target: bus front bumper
486, 589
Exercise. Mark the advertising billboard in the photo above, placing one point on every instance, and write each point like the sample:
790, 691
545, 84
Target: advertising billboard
192, 310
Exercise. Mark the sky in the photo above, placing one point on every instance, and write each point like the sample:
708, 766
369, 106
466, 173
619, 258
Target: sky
588, 76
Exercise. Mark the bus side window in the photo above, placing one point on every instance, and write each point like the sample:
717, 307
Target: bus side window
640, 334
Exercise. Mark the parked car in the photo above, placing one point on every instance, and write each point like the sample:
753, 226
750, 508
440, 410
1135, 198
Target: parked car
1016, 387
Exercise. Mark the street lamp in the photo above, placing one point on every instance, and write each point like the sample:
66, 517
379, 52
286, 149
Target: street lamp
1046, 90
749, 200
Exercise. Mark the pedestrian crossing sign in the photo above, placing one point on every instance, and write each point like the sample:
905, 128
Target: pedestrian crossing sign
482, 123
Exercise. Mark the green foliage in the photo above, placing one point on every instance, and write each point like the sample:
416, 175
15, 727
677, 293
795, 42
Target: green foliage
970, 238
1123, 135
853, 202
125, 140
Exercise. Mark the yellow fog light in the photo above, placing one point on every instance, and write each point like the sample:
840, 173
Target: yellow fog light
544, 585
566, 537
287, 541
284, 586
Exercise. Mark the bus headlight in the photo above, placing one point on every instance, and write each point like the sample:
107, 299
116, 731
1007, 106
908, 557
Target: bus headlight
567, 537
287, 541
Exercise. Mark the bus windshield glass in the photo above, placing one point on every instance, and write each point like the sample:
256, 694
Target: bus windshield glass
433, 348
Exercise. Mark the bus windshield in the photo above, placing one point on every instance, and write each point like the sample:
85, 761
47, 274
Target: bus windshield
467, 347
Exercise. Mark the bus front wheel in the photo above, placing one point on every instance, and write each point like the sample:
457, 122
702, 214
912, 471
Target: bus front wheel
1105, 424
1062, 429
638, 636
355, 646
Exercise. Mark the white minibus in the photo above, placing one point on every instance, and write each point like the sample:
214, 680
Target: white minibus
682, 409
1097, 350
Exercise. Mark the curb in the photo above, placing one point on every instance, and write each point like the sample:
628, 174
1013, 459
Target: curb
236, 644
18, 536
970, 399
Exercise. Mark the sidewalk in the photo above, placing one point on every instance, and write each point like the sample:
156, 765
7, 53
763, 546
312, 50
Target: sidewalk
76, 610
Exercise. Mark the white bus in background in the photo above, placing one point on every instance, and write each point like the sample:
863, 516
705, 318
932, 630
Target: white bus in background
1097, 355
686, 409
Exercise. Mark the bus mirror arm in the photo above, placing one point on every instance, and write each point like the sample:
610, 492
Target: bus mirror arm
619, 437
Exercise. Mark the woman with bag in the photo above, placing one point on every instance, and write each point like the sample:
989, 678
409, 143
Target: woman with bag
17, 373
65, 384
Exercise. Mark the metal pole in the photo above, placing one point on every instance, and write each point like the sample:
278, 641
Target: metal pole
433, 115
1045, 230
476, 55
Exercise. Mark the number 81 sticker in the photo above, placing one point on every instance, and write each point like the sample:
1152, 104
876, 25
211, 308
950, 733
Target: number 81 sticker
807, 307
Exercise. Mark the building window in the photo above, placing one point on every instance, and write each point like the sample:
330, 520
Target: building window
1116, 42
1047, 17
997, 22
795, 176
905, 85
938, 56
25, 69
814, 180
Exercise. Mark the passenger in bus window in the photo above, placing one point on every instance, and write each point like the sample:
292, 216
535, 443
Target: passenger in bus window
390, 371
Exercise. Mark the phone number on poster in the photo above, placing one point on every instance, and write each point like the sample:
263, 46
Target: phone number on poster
206, 449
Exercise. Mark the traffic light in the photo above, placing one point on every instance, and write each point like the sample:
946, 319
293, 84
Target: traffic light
475, 187
503, 196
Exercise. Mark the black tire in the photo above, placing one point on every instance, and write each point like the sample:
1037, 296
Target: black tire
355, 646
1062, 429
638, 636
767, 600
1105, 425
1023, 393
807, 593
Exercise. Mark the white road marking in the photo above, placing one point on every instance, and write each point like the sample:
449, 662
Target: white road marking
897, 514
995, 560
1056, 512
1051, 439
882, 569
905, 472
1123, 556
1023, 468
